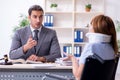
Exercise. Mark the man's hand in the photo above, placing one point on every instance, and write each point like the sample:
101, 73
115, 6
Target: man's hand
36, 58
42, 59
30, 43
33, 57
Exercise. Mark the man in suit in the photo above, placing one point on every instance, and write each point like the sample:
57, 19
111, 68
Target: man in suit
35, 42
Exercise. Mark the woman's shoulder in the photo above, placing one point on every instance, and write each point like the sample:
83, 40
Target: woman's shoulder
97, 44
89, 45
99, 47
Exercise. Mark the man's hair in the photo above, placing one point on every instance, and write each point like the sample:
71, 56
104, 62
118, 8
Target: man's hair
36, 8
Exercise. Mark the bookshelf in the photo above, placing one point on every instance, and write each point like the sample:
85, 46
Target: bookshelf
70, 16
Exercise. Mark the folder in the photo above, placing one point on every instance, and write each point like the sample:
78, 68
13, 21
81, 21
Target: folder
77, 51
45, 20
78, 36
48, 20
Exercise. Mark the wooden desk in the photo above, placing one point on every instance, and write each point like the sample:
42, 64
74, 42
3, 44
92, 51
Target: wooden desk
33, 71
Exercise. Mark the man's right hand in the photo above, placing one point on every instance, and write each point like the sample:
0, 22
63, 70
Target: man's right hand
30, 43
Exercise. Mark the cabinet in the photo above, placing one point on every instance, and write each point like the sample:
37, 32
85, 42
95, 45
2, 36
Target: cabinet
69, 17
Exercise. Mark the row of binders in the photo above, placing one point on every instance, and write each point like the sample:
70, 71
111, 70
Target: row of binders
78, 36
77, 50
48, 20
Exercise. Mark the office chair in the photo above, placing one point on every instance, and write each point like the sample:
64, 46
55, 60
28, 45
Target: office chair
116, 64
97, 69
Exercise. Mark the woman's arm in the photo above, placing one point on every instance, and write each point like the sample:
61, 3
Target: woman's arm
77, 68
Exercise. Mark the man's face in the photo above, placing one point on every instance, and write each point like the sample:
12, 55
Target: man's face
36, 19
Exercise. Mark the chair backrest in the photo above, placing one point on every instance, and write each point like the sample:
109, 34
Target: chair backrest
97, 69
116, 64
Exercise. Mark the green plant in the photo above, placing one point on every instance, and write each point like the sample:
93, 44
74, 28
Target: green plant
118, 31
117, 26
22, 23
88, 6
118, 41
53, 5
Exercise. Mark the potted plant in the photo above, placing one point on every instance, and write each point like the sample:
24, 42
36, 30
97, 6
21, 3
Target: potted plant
54, 6
88, 7
22, 23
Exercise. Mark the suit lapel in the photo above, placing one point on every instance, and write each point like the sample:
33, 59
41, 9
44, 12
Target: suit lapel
28, 34
41, 38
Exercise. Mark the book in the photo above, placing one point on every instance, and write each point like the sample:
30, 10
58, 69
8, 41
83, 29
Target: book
22, 61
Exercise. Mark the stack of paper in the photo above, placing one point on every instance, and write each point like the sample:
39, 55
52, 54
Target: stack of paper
62, 62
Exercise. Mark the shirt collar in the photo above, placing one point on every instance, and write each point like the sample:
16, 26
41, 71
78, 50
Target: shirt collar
34, 29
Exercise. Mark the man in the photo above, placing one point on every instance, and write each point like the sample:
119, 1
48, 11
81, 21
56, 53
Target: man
35, 42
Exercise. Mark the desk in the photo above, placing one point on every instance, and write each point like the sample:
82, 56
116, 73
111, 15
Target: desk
32, 71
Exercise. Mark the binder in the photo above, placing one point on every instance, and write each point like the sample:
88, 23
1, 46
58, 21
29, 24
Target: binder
64, 50
81, 36
75, 36
70, 50
48, 20
45, 20
51, 20
77, 51
78, 36
67, 49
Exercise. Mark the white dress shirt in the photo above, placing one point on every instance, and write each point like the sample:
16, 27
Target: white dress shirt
32, 30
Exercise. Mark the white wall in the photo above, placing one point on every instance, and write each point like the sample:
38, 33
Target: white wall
9, 17
112, 9
10, 10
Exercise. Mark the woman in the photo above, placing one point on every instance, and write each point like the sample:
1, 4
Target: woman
102, 41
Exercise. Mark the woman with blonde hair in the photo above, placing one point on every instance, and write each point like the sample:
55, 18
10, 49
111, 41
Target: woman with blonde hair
101, 40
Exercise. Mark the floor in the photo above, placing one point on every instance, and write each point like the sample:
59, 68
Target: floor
118, 72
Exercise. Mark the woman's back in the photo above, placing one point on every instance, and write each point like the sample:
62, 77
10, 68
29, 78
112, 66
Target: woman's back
103, 50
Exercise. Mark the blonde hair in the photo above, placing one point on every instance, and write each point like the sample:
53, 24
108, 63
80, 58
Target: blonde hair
104, 24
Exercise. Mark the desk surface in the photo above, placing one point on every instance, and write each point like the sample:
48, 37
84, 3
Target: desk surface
35, 66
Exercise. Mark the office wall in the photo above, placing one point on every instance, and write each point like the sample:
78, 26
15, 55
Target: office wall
11, 9
112, 10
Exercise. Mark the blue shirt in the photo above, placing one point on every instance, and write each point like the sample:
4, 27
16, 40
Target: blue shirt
101, 47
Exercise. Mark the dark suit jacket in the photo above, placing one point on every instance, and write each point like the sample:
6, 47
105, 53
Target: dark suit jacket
47, 46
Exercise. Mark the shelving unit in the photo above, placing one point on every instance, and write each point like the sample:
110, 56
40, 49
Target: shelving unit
70, 16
